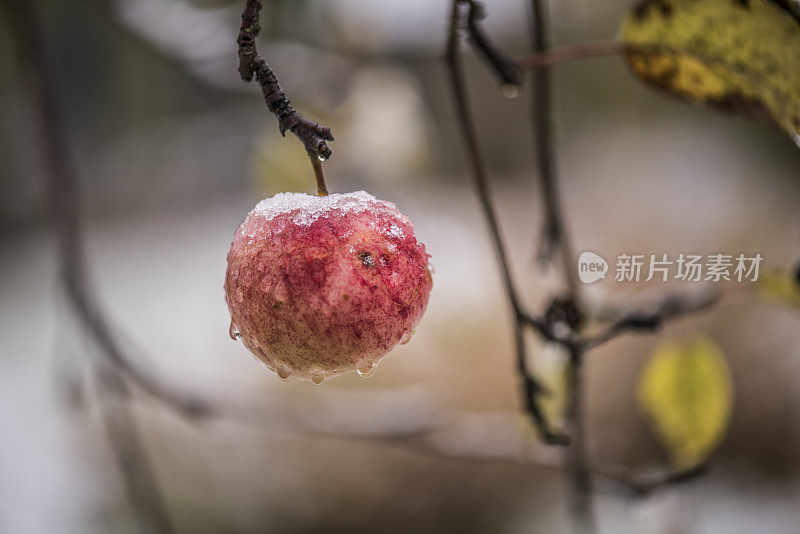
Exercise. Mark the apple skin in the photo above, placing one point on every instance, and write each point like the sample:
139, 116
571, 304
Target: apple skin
320, 286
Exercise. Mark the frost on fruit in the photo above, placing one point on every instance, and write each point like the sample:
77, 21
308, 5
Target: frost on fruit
319, 286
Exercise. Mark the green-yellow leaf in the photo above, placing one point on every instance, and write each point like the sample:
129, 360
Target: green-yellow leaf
686, 392
782, 287
739, 55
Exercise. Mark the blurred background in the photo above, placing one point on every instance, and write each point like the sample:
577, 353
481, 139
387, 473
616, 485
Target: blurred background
173, 149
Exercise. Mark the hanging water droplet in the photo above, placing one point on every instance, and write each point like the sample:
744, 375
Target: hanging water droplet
366, 368
233, 331
407, 337
317, 377
510, 90
430, 267
284, 372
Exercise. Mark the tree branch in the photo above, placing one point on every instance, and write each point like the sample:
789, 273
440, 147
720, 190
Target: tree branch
668, 308
553, 238
506, 70
531, 389
639, 487
563, 321
580, 487
123, 435
311, 134
544, 58
62, 198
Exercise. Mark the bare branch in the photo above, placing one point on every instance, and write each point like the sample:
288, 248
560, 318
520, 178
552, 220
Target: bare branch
797, 273
434, 433
580, 487
553, 237
311, 134
642, 486
563, 321
562, 312
554, 240
126, 446
544, 58
531, 389
62, 197
669, 307
503, 67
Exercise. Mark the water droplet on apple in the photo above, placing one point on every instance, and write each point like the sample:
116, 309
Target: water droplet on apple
233, 331
284, 372
510, 90
406, 337
317, 377
366, 368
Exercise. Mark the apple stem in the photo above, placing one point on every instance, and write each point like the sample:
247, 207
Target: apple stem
316, 163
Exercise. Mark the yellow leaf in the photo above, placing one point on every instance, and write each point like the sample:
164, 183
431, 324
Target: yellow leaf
739, 55
782, 287
686, 392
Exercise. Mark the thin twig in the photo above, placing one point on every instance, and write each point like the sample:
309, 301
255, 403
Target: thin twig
639, 487
62, 197
797, 273
506, 70
563, 321
545, 58
554, 238
62, 201
311, 134
121, 429
669, 307
63, 205
631, 50
555, 241
425, 438
94, 320
580, 487
531, 389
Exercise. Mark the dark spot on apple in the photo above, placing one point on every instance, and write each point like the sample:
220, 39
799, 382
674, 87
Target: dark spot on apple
366, 259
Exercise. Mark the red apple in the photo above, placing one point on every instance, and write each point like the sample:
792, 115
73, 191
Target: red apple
319, 286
